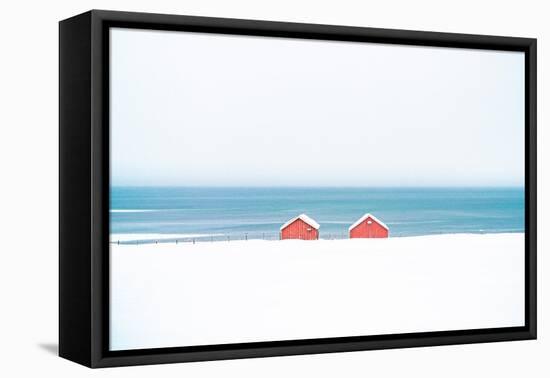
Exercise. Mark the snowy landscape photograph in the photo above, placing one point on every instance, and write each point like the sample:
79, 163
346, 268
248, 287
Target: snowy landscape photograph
266, 189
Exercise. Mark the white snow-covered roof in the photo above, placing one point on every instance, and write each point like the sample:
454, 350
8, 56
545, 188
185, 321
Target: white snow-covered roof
368, 215
305, 218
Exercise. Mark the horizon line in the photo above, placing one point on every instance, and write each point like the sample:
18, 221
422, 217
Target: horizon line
320, 186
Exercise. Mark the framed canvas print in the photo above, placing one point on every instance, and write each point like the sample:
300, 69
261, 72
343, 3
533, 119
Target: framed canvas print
236, 188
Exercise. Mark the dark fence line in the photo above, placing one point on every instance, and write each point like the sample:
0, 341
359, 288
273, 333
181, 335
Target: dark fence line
257, 236
228, 238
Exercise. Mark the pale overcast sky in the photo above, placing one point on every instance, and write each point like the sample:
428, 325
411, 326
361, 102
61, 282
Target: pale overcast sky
204, 109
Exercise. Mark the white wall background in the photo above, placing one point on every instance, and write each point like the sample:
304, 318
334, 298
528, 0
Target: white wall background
28, 200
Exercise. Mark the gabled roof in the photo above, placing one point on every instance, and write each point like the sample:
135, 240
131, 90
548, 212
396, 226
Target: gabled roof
305, 218
368, 215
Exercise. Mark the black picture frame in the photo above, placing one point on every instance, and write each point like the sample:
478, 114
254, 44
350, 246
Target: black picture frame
84, 188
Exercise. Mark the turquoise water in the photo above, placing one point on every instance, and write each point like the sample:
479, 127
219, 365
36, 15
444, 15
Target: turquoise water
238, 213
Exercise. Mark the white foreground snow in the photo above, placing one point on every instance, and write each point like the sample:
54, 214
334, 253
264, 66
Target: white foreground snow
166, 295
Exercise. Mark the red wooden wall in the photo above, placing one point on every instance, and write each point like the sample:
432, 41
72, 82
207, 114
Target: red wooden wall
366, 230
299, 230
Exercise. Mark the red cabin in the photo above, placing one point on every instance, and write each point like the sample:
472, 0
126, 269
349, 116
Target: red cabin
301, 227
368, 226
